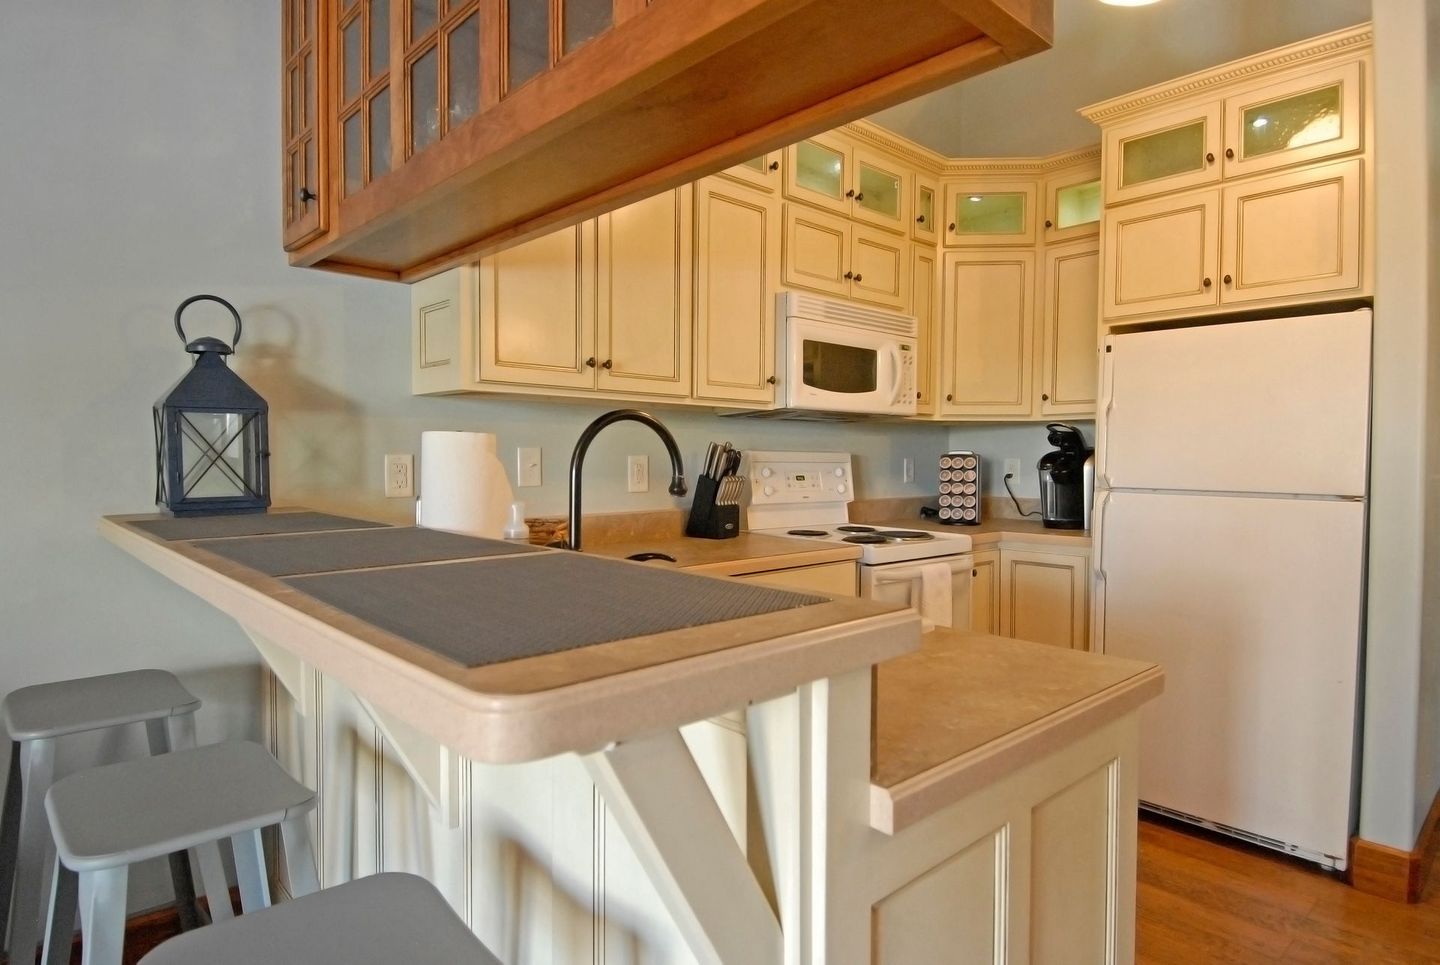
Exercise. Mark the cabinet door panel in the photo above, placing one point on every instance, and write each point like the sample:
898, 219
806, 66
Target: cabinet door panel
1043, 598
442, 332
926, 210
948, 915
878, 262
881, 198
643, 309
1073, 204
1162, 255
1318, 115
1296, 233
990, 213
537, 311
1165, 153
924, 293
817, 250
1072, 842
1070, 333
304, 212
737, 255
985, 593
759, 172
817, 171
989, 330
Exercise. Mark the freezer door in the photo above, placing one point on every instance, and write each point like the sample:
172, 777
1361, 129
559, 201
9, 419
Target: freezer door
1252, 607
1279, 405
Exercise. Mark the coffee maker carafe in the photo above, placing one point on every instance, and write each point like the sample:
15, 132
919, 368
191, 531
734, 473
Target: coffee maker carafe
1065, 479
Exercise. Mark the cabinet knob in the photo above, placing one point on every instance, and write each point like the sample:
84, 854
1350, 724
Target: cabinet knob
949, 398
952, 226
849, 275
919, 396
774, 165
850, 193
771, 381
1227, 279
1049, 223
608, 363
306, 195
1044, 397
920, 220
1230, 153
858, 276
974, 572
1209, 157
1207, 283
590, 362
860, 196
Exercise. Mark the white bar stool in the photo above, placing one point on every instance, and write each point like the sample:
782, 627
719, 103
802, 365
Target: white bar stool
35, 718
379, 920
108, 818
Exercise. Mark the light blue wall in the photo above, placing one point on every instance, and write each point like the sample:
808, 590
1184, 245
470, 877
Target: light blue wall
996, 443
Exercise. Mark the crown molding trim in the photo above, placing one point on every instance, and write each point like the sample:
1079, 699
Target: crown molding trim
873, 135
1357, 39
1015, 166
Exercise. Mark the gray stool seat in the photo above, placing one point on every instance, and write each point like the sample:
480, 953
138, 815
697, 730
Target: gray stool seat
90, 703
126, 813
379, 920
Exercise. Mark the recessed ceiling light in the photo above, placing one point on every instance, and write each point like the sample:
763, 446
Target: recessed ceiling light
1129, 3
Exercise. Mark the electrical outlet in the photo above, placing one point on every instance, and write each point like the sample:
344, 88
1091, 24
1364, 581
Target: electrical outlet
527, 466
399, 475
637, 474
907, 470
1012, 467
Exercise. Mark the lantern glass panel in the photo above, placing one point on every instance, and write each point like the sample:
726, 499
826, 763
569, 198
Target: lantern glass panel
217, 454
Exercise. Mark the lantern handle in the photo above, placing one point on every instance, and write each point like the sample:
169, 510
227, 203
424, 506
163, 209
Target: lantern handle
212, 298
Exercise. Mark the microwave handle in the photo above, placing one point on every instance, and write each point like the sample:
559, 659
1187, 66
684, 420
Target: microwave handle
896, 367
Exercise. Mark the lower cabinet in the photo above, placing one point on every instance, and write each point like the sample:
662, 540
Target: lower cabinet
836, 579
1045, 597
985, 593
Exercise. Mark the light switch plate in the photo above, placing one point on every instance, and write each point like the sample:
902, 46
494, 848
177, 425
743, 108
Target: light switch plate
527, 466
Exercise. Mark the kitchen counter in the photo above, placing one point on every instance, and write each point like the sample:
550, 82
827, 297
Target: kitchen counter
746, 553
561, 698
966, 709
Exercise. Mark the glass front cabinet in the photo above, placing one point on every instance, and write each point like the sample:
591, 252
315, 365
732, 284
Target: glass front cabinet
829, 172
990, 213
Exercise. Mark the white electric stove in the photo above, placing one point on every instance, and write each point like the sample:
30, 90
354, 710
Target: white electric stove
807, 495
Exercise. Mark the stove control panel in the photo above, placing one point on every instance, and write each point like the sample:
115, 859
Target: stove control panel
794, 478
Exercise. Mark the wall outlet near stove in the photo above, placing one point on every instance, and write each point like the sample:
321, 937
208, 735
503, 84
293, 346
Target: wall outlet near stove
637, 474
1012, 467
399, 475
907, 470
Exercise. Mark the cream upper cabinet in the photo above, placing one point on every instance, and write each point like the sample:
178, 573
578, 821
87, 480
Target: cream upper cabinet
537, 311
985, 593
1304, 118
1293, 233
443, 333
737, 273
925, 302
880, 268
1161, 153
926, 211
881, 195
990, 213
1070, 330
1162, 255
819, 171
988, 313
816, 252
1044, 598
759, 172
1073, 205
643, 298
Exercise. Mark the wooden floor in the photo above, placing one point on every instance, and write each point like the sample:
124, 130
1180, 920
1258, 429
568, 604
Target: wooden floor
1201, 900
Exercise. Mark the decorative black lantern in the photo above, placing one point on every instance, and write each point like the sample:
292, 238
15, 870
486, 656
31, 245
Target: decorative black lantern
211, 435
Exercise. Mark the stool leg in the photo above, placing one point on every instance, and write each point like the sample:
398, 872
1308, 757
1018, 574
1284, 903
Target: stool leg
299, 859
180, 877
212, 876
60, 927
249, 852
9, 841
102, 915
31, 881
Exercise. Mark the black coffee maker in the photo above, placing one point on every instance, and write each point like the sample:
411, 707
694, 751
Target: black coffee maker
1063, 474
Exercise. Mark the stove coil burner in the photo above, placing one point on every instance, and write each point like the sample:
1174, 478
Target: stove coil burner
855, 529
807, 532
908, 535
866, 539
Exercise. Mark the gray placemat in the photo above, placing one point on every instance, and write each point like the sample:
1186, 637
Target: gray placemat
489, 612
247, 524
356, 549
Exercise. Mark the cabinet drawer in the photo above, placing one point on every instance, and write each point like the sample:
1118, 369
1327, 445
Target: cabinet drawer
835, 579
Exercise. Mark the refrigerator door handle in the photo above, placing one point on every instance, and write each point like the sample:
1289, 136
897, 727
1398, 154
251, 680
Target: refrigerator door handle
1102, 499
1107, 388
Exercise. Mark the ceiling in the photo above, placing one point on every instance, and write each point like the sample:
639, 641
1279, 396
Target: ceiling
1028, 108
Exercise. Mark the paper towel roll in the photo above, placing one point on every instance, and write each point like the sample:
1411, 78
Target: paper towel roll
463, 487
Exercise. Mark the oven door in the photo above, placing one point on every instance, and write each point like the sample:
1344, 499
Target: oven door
920, 586
835, 368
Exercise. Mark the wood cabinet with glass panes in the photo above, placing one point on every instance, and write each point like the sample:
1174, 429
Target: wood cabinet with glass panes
832, 171
988, 213
1241, 188
588, 105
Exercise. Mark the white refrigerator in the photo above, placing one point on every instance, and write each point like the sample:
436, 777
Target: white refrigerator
1229, 520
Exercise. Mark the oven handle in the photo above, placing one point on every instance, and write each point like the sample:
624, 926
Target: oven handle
891, 573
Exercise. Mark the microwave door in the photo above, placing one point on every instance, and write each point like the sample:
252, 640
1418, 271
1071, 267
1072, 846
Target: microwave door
841, 369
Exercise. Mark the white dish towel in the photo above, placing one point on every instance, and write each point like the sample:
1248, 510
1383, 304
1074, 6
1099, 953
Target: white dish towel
936, 602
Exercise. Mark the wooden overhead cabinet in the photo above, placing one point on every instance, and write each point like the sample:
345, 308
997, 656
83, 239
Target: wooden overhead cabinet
420, 134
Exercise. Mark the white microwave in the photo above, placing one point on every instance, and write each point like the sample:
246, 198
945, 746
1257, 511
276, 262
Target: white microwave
837, 357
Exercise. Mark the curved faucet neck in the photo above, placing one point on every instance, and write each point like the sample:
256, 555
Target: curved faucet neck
582, 446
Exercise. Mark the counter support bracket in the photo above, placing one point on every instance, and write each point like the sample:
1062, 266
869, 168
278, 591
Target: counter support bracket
658, 797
